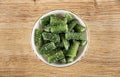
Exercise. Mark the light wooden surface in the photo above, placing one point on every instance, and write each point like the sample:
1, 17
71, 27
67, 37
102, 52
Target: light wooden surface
17, 18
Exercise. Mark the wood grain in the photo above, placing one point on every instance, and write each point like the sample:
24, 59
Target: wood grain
17, 18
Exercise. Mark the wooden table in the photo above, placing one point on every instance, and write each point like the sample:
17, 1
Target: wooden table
17, 18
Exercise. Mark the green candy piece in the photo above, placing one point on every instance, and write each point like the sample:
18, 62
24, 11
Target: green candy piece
59, 28
52, 52
45, 21
68, 16
74, 36
73, 50
83, 42
79, 28
47, 48
57, 21
47, 28
66, 43
57, 56
38, 38
59, 45
51, 37
70, 59
63, 61
72, 24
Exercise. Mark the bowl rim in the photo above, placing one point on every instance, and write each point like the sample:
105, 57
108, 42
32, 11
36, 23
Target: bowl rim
39, 56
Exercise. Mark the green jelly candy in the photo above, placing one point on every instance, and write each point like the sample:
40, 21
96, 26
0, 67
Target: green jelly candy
74, 36
66, 43
57, 56
38, 38
73, 49
62, 28
83, 42
47, 48
51, 37
68, 16
54, 20
79, 28
45, 21
72, 24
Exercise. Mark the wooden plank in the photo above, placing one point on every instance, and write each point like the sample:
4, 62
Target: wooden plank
17, 19
43, 1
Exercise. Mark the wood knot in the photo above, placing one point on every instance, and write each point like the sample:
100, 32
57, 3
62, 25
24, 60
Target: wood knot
34, 0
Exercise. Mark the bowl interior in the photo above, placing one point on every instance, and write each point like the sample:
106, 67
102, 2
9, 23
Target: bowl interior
81, 50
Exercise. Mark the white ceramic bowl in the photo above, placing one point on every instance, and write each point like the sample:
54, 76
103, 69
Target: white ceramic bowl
81, 51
